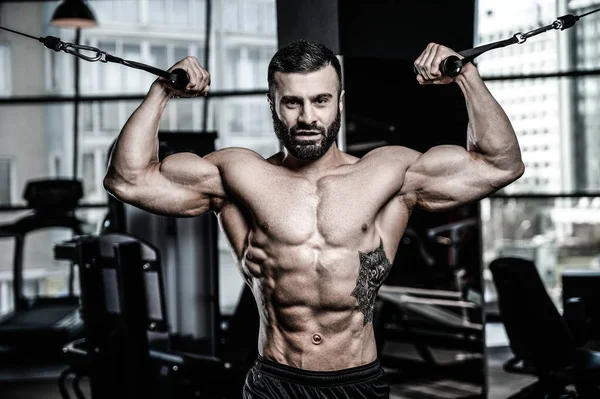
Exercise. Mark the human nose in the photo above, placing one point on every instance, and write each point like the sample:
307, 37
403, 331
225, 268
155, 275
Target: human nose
307, 115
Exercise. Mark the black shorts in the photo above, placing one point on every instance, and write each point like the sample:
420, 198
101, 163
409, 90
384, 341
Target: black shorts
271, 380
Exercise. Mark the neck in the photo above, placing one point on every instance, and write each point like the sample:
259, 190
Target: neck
333, 157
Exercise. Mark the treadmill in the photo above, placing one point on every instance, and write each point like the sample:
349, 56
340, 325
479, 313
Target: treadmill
39, 326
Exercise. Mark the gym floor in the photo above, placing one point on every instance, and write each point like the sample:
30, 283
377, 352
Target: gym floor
40, 381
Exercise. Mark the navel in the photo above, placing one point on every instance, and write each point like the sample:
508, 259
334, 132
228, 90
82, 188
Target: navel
364, 227
317, 339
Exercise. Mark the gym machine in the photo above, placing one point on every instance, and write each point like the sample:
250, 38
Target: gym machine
431, 315
127, 350
38, 326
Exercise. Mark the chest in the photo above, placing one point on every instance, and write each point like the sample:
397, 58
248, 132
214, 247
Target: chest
334, 208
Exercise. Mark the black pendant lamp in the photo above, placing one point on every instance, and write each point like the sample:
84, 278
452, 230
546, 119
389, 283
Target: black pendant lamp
73, 14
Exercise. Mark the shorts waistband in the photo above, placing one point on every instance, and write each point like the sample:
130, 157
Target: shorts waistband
318, 378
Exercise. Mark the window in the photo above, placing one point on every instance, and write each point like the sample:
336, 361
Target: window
6, 180
153, 32
181, 13
156, 12
230, 17
88, 173
57, 167
5, 70
551, 214
119, 12
109, 75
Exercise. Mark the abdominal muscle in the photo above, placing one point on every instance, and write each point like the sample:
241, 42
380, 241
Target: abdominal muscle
308, 317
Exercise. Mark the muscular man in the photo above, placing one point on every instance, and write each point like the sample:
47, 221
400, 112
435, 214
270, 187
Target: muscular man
314, 229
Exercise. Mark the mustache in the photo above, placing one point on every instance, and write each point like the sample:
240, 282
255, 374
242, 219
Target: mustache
305, 126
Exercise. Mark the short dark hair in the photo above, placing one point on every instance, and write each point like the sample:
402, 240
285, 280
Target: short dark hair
302, 56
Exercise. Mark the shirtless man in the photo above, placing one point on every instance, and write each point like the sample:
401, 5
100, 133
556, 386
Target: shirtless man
314, 229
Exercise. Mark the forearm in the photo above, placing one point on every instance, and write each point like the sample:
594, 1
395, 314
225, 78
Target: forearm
136, 147
490, 133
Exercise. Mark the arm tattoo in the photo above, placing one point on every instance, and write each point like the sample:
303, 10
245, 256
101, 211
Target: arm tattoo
374, 268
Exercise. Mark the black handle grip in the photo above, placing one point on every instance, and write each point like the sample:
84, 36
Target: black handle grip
179, 79
450, 66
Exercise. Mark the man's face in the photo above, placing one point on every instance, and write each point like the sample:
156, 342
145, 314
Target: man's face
307, 112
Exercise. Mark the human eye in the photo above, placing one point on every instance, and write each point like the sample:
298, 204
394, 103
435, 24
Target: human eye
290, 102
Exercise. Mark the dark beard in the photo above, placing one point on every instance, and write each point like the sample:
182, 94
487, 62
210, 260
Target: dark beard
304, 149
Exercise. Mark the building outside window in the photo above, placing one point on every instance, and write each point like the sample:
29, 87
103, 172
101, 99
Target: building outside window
551, 214
155, 32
